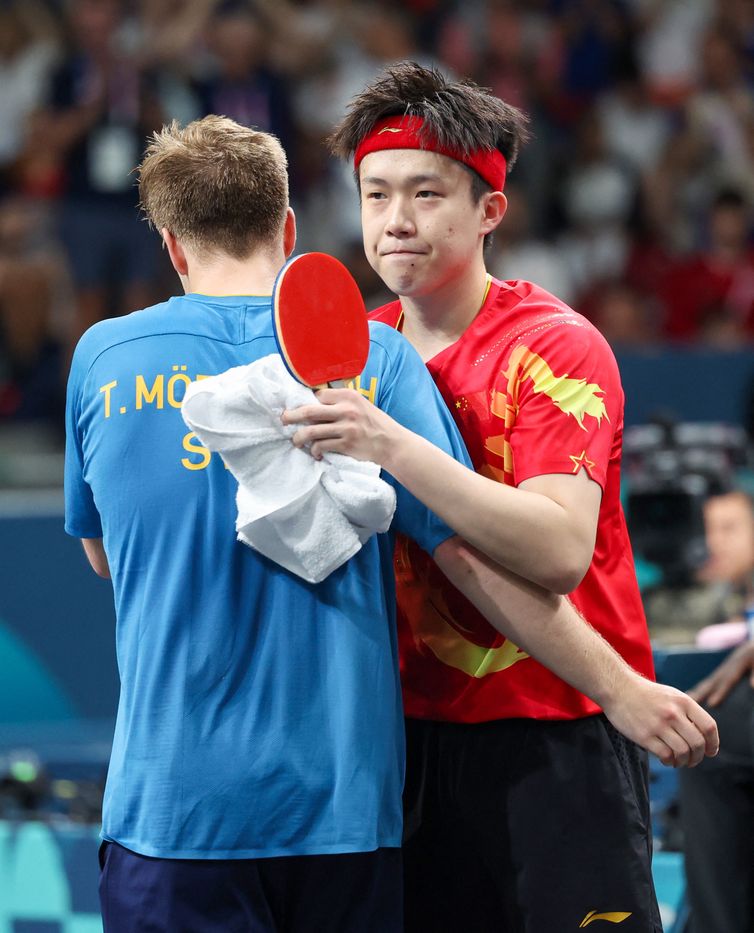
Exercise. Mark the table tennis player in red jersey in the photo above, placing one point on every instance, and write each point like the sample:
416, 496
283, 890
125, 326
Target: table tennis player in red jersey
525, 809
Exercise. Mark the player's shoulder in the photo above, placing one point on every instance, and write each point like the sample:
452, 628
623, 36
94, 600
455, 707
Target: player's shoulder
381, 332
386, 338
391, 356
113, 332
530, 301
541, 318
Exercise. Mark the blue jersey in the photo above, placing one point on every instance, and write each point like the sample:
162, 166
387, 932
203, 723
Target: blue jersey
259, 715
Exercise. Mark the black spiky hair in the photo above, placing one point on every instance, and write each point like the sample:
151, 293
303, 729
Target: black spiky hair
459, 115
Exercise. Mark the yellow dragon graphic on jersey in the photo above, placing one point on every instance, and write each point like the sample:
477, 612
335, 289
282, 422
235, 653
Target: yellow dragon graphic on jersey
575, 397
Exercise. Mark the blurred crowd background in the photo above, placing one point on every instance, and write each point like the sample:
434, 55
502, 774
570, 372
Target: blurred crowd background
633, 201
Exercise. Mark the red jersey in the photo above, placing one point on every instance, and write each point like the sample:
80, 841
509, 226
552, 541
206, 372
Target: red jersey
534, 389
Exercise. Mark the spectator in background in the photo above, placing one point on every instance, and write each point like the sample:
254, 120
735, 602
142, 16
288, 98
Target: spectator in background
634, 128
163, 31
28, 48
31, 281
712, 291
508, 49
595, 35
723, 106
675, 196
100, 111
169, 38
729, 568
30, 357
717, 800
701, 607
622, 315
717, 806
599, 195
669, 37
737, 18
241, 84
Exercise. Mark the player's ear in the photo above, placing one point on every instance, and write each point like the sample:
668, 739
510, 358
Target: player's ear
289, 232
495, 206
175, 251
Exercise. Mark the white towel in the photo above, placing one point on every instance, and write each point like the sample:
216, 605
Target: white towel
310, 516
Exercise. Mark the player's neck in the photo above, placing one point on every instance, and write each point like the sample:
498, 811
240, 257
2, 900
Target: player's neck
434, 322
254, 275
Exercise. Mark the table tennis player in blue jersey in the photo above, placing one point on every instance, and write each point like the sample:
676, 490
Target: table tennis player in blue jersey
257, 763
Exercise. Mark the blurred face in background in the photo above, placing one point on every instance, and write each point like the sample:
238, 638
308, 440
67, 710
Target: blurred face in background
94, 23
729, 226
721, 63
729, 528
237, 42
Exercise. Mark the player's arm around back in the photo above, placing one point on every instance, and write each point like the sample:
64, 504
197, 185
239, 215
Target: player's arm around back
661, 719
544, 530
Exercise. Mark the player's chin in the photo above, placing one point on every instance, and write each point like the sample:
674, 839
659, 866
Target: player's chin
401, 281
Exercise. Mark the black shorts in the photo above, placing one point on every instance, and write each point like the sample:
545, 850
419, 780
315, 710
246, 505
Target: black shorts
526, 826
358, 892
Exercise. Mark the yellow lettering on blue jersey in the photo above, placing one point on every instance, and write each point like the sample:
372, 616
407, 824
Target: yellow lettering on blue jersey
192, 446
107, 389
154, 395
178, 377
370, 393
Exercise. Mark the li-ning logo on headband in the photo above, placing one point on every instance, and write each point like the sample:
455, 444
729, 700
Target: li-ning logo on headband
390, 129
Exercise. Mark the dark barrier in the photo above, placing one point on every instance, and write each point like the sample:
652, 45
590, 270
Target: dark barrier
687, 384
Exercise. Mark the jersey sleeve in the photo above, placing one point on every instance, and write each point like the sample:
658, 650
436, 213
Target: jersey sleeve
82, 519
408, 394
563, 385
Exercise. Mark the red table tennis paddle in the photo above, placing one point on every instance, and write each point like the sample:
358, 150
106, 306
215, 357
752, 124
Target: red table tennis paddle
319, 320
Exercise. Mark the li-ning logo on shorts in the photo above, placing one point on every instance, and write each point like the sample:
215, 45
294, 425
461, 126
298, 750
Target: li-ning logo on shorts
616, 916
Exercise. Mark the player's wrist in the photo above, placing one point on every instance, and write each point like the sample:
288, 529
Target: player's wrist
617, 683
395, 446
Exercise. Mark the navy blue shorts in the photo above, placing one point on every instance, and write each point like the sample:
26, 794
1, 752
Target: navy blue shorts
359, 892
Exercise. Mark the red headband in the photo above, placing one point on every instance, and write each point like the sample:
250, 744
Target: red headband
403, 132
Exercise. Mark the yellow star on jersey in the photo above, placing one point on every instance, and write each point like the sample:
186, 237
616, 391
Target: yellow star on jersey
581, 461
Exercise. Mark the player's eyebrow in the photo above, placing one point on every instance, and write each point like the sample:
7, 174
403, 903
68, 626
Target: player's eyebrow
432, 177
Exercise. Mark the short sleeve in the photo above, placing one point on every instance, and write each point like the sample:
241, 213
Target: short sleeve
82, 519
408, 394
564, 386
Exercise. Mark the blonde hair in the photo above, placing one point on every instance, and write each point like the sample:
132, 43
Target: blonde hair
216, 184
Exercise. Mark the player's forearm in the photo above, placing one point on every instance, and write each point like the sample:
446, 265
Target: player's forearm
661, 719
543, 624
95, 552
528, 533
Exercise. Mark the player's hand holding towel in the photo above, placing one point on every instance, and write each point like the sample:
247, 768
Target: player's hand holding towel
309, 516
